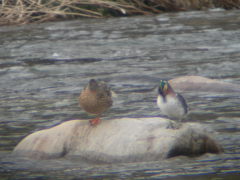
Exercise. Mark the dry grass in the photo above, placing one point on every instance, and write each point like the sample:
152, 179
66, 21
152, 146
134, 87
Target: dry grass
27, 11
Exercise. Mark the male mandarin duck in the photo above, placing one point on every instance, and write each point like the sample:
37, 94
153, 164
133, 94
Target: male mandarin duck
96, 98
170, 103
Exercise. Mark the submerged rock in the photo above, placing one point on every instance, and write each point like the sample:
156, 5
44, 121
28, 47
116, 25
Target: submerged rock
119, 140
202, 84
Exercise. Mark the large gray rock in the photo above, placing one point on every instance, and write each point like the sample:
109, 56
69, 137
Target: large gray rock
119, 140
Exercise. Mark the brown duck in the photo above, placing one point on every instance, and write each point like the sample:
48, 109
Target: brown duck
96, 98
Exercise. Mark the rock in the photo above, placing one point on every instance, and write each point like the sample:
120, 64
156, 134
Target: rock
198, 83
128, 139
119, 140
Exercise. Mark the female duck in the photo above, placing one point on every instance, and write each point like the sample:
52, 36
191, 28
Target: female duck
96, 98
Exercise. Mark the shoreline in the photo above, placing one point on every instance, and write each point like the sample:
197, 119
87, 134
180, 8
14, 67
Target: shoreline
26, 12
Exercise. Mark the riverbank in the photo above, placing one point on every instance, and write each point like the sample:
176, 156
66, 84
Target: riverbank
30, 11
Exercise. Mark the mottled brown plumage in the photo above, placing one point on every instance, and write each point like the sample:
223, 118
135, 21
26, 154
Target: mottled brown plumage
96, 98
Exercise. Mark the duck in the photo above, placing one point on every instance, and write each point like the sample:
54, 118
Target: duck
170, 103
96, 98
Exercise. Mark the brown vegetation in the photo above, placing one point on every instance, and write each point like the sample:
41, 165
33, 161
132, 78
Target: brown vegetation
27, 11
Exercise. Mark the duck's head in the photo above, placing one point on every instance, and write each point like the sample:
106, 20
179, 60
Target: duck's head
93, 85
164, 88
100, 87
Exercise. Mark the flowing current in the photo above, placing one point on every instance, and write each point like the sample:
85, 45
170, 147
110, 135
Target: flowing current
43, 67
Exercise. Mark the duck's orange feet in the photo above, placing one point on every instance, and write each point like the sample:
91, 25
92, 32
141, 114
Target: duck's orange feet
95, 121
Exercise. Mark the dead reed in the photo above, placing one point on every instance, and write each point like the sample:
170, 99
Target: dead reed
27, 11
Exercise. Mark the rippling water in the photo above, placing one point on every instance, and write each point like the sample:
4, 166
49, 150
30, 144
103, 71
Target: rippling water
43, 68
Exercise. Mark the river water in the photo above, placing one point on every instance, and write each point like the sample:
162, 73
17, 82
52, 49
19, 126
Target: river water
43, 67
